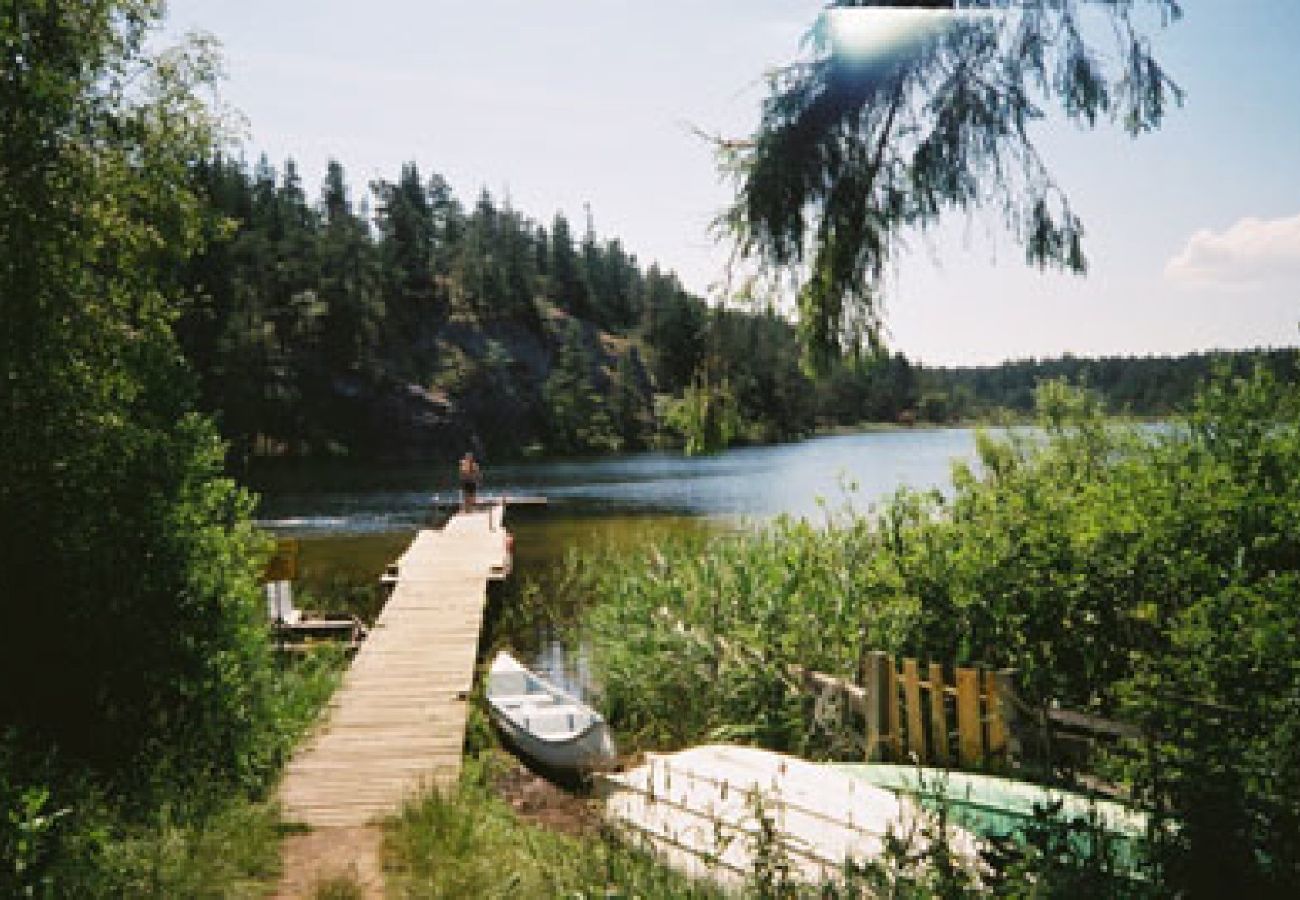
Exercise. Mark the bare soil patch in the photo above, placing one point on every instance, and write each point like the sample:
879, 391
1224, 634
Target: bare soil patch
539, 802
322, 855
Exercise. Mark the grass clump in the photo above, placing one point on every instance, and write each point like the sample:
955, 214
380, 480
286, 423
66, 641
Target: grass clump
340, 887
470, 843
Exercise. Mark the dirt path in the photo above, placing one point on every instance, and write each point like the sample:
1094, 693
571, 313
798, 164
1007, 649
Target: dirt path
322, 855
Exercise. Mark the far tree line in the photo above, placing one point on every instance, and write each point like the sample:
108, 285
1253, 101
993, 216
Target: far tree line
399, 320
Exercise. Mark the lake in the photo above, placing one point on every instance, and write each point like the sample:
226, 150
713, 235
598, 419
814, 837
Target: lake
748, 482
351, 522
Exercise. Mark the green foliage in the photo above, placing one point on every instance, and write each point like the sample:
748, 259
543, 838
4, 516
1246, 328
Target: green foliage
130, 561
1139, 386
1146, 574
578, 418
707, 416
143, 706
851, 153
67, 834
629, 408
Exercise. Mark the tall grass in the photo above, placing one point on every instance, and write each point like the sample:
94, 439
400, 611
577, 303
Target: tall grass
719, 621
469, 843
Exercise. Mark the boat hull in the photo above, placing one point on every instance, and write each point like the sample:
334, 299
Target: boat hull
548, 728
589, 751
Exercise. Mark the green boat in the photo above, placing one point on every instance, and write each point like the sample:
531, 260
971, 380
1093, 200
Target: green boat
994, 807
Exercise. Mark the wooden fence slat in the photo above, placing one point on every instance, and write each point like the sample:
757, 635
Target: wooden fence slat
1004, 681
938, 715
875, 680
997, 729
915, 718
970, 740
893, 709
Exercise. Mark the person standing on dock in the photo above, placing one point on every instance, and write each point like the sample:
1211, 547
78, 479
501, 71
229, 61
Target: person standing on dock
470, 476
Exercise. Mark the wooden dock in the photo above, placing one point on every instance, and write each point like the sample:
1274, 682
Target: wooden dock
396, 724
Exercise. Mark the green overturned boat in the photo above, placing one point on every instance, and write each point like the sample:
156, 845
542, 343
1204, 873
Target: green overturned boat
993, 807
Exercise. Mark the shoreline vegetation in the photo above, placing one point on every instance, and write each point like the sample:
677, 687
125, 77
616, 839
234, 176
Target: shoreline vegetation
1144, 577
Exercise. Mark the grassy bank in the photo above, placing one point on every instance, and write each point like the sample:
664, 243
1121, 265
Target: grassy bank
150, 832
471, 843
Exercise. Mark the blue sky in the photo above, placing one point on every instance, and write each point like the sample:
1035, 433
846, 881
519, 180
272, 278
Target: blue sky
1193, 232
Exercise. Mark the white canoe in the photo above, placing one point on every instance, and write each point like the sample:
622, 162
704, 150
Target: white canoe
544, 723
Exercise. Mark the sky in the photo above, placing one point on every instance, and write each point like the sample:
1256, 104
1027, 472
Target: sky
1193, 232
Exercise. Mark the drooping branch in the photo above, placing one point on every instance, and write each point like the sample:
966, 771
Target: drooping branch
850, 156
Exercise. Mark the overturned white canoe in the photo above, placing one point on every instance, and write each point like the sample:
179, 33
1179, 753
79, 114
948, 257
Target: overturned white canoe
544, 723
701, 810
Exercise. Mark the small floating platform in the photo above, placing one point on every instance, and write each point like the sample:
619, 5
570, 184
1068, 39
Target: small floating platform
702, 811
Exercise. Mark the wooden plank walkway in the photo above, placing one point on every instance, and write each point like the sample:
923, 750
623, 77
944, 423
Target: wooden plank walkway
396, 724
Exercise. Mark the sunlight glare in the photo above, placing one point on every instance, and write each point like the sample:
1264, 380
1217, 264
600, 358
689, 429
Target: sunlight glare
876, 34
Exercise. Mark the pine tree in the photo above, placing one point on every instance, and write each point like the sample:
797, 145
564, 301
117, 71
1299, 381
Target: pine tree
568, 285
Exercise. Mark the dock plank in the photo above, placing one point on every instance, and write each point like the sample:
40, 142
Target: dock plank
396, 724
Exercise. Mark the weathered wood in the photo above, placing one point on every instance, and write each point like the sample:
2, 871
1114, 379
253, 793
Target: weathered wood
1092, 724
938, 715
915, 717
1003, 741
970, 739
894, 713
396, 724
854, 697
876, 668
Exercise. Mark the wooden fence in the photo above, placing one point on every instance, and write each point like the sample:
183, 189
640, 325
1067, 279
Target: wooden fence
938, 716
933, 714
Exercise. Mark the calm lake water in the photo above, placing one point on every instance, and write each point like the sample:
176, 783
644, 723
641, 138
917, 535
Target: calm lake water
351, 523
750, 482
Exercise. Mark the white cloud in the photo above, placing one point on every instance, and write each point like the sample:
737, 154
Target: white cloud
1252, 254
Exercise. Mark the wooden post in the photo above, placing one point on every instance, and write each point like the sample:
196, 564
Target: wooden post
877, 667
1002, 697
915, 718
970, 738
938, 714
997, 733
893, 711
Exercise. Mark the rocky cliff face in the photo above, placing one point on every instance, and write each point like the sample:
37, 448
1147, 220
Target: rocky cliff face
486, 394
